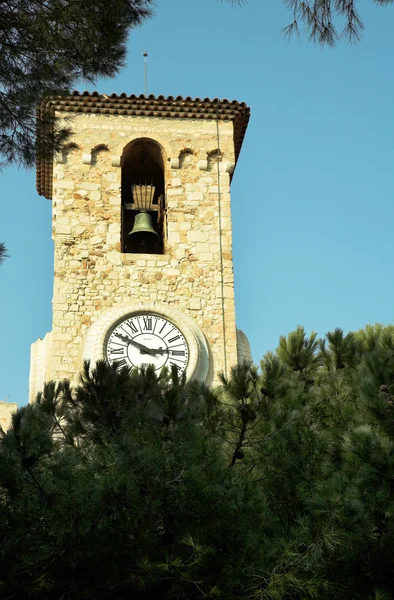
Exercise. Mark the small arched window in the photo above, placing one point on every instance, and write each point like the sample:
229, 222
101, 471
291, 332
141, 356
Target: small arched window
142, 197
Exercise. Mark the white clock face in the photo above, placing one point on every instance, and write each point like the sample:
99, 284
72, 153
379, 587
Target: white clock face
147, 338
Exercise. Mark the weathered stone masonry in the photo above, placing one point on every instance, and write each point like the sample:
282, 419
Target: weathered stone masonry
195, 273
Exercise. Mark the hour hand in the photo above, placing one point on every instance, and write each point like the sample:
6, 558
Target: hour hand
160, 351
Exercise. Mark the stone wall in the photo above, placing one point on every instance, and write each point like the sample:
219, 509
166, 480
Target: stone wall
195, 274
6, 411
40, 372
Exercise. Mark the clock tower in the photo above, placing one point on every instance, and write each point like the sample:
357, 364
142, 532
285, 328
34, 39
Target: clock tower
143, 268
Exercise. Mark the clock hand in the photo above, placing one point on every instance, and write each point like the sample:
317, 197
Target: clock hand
124, 338
160, 351
143, 349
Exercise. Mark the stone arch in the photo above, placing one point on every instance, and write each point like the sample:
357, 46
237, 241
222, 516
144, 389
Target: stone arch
99, 155
71, 153
168, 148
143, 162
187, 150
186, 157
214, 157
213, 154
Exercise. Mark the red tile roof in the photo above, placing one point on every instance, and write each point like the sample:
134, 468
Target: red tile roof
145, 106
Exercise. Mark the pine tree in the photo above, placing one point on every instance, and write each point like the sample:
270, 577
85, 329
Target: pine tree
325, 467
326, 21
117, 490
3, 252
278, 484
45, 48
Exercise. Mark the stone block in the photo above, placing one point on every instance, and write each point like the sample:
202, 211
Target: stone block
195, 304
91, 186
173, 237
63, 218
66, 337
194, 235
227, 167
66, 185
228, 292
63, 229
195, 196
113, 239
179, 253
114, 258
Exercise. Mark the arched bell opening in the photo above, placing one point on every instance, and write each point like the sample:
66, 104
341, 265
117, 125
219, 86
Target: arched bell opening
143, 204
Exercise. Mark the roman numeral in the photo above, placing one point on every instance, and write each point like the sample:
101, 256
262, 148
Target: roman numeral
116, 350
178, 367
162, 327
120, 363
147, 323
177, 352
132, 326
176, 337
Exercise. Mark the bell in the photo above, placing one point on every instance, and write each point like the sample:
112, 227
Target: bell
143, 238
142, 225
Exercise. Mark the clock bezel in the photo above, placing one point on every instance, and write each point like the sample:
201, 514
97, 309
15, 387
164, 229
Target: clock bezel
143, 313
200, 361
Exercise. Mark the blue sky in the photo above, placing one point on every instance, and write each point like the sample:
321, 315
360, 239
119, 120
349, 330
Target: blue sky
312, 195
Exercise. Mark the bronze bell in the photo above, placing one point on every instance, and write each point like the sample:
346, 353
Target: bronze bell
142, 224
143, 238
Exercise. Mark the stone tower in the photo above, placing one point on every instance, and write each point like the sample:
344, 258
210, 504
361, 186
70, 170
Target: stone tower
171, 300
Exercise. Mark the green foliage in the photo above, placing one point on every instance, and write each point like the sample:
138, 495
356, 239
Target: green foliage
116, 489
45, 48
326, 21
3, 252
276, 485
298, 352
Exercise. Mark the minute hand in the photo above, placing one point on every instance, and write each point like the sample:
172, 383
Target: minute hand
143, 349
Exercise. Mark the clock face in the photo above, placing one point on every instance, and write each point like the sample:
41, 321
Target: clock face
147, 338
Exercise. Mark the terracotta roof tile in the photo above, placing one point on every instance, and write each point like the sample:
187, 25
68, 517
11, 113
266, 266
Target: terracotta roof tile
170, 107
